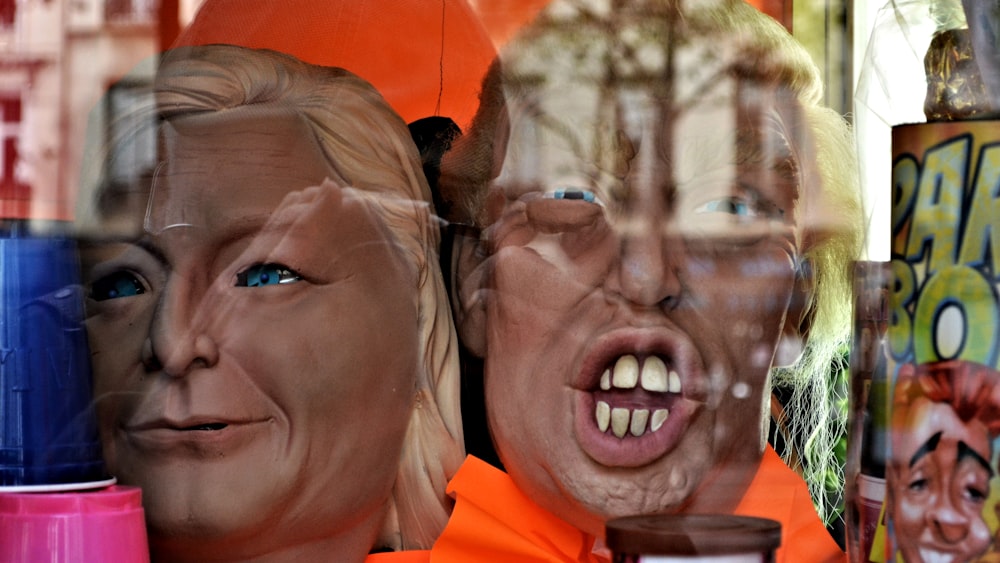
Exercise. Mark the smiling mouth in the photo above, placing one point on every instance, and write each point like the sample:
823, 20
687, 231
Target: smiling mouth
169, 436
209, 427
168, 426
935, 556
635, 395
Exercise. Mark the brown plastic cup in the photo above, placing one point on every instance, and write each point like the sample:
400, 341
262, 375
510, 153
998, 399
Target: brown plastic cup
702, 538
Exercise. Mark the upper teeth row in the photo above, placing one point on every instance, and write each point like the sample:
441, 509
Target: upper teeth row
654, 375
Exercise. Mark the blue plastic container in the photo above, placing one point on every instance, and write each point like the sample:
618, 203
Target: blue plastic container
48, 428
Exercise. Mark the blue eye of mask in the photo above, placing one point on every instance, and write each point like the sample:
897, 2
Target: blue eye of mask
118, 284
266, 274
726, 205
569, 193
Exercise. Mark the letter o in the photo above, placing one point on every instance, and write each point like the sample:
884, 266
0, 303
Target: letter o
968, 290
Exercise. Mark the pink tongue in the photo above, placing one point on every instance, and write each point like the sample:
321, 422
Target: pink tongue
637, 398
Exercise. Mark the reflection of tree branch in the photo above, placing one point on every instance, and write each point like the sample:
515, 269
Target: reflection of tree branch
681, 106
620, 43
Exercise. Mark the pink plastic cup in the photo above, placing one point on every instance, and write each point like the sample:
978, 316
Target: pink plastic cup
101, 525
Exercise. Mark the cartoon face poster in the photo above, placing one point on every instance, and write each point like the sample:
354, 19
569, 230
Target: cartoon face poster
942, 494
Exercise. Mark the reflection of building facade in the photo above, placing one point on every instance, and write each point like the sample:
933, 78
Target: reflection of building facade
105, 39
29, 85
57, 58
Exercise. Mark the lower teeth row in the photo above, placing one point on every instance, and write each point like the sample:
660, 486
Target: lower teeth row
624, 421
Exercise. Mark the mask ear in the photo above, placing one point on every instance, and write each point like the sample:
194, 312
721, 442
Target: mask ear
468, 292
798, 318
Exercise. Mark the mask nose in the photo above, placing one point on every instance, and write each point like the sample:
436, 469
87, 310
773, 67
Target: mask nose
652, 252
948, 522
649, 270
178, 339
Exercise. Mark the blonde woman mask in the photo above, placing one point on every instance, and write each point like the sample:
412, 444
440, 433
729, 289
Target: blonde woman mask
274, 356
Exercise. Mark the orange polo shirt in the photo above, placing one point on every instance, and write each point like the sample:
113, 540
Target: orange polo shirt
494, 521
414, 556
778, 493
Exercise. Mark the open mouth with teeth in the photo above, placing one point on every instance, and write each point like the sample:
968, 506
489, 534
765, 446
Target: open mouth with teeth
633, 404
636, 396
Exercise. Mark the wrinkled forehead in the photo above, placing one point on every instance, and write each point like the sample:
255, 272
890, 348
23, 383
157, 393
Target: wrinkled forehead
169, 169
709, 126
225, 165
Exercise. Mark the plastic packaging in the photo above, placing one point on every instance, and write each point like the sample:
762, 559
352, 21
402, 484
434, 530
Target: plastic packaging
920, 65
